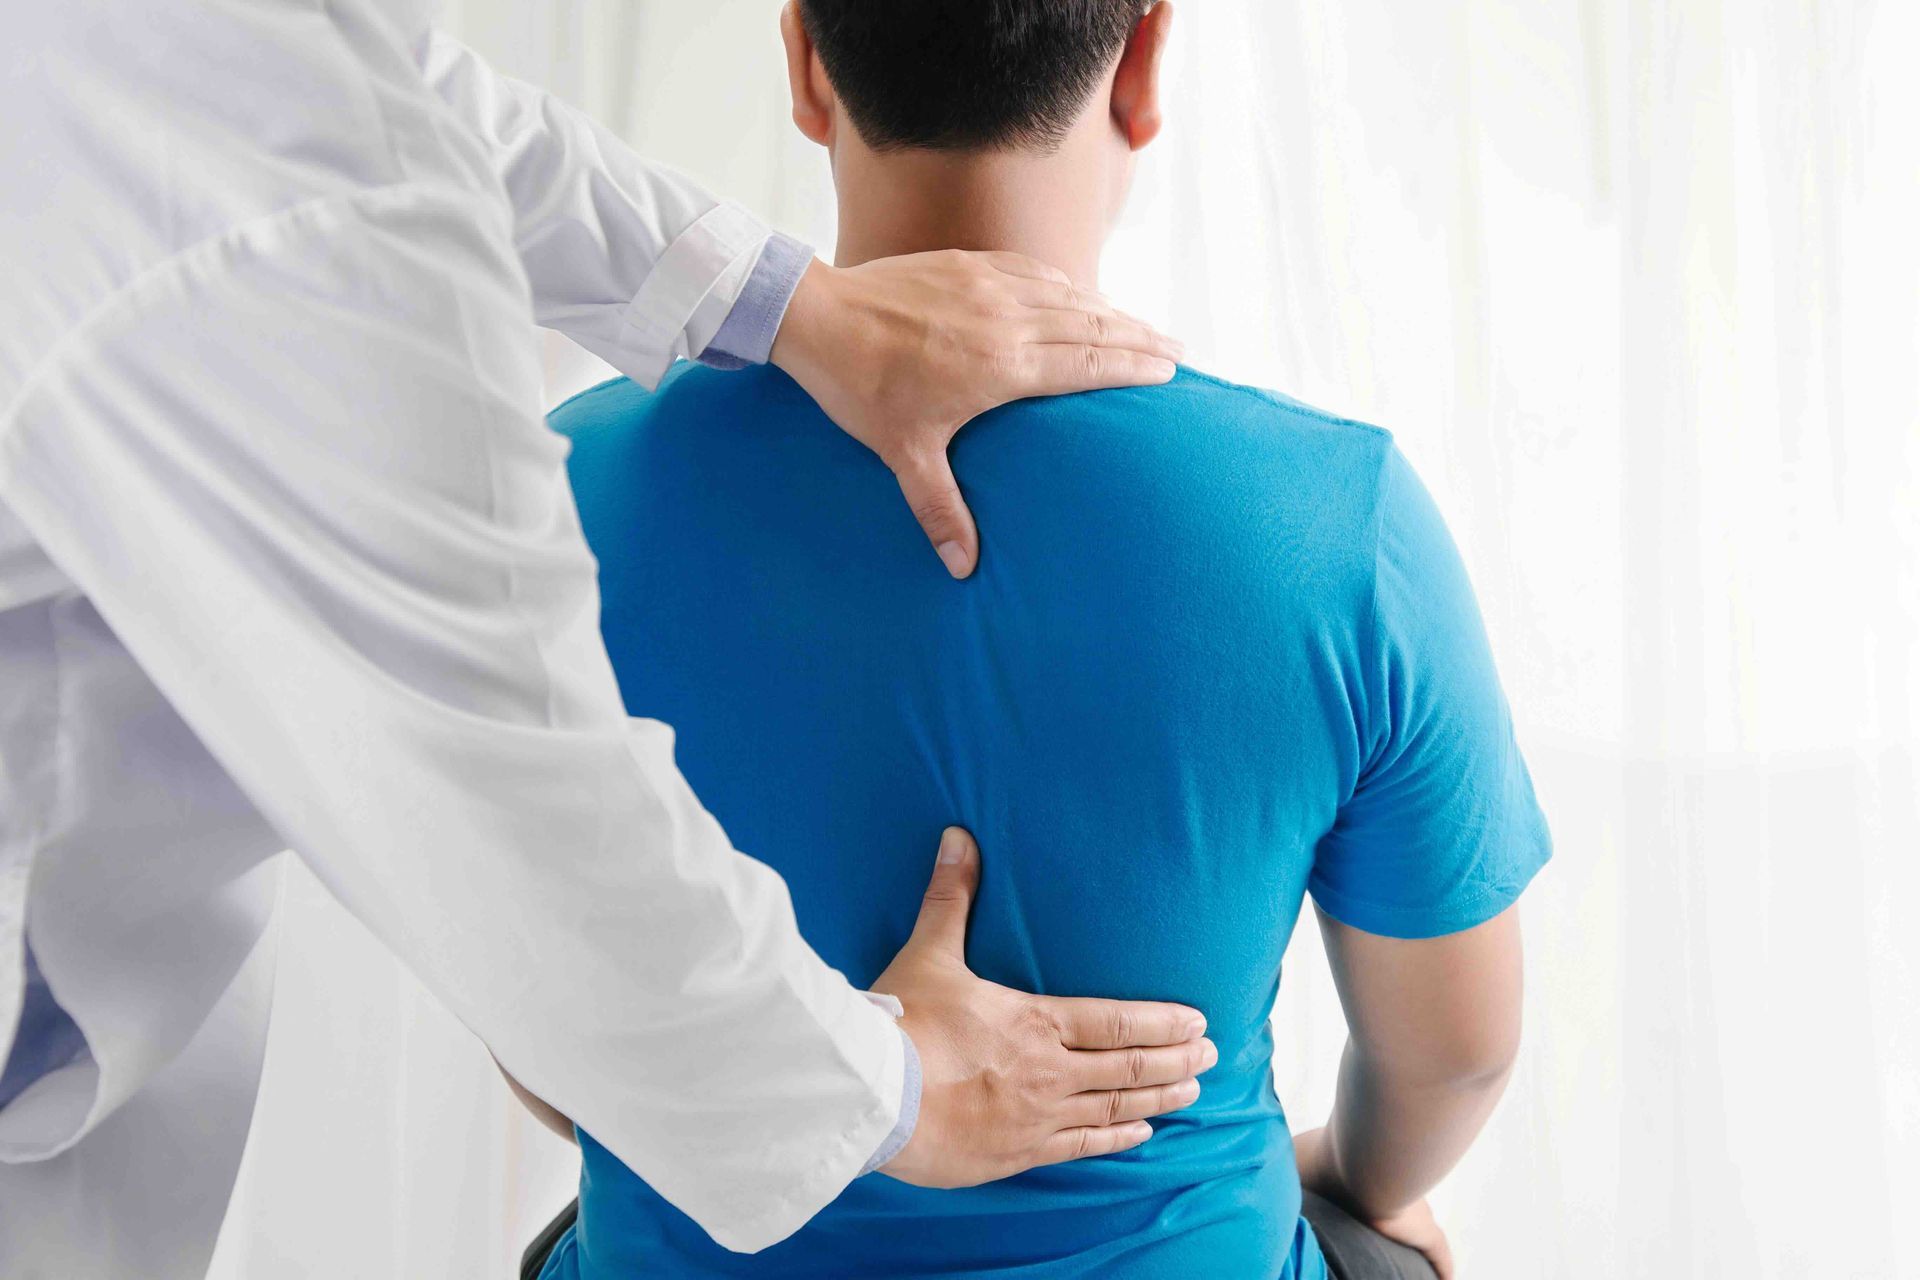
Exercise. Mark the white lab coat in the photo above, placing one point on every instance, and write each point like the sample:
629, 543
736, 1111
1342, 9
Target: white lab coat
287, 558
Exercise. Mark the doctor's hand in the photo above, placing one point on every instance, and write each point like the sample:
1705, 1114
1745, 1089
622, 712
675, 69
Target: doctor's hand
1011, 1080
903, 352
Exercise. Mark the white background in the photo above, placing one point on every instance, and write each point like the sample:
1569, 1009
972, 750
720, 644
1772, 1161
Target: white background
1635, 284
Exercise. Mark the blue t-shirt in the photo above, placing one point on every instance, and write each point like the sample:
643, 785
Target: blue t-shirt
1220, 652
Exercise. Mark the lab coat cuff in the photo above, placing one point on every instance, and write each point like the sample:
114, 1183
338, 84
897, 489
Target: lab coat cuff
843, 1157
746, 336
654, 332
909, 1107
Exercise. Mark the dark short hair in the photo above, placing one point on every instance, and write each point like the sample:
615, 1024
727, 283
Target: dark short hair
966, 74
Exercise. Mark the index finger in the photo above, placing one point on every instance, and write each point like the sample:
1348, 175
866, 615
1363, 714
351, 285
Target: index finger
1019, 264
1123, 1024
1103, 1070
1061, 368
1065, 326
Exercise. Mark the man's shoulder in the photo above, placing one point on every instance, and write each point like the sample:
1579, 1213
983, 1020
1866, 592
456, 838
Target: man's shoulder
618, 399
1199, 411
1199, 441
1194, 399
601, 398
1265, 422
587, 417
621, 408
1275, 407
1196, 440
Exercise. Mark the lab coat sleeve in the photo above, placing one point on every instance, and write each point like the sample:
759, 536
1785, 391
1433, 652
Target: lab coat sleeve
298, 468
630, 259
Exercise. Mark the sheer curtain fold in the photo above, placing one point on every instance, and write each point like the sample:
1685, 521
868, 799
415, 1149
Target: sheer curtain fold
1634, 283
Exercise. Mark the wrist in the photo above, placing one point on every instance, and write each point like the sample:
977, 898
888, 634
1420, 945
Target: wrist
909, 1115
803, 327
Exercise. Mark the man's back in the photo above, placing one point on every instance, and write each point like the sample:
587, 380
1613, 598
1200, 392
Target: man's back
1218, 651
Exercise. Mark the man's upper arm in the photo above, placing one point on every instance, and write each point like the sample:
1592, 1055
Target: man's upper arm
1431, 1010
1441, 832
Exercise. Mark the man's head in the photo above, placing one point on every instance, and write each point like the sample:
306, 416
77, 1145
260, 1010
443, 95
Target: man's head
977, 120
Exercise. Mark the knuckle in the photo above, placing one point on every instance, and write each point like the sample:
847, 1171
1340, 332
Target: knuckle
1121, 1025
1039, 1022
936, 512
1047, 1081
1115, 1101
1137, 1063
1092, 362
900, 453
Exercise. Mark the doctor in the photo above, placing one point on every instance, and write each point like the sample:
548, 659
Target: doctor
287, 558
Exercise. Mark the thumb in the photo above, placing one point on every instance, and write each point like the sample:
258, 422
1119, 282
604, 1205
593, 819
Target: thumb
943, 912
931, 491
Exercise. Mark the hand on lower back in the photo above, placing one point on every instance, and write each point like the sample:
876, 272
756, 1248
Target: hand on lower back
903, 352
1011, 1080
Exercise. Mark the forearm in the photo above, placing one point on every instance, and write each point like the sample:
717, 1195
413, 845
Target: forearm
1393, 1136
1433, 1031
371, 603
630, 259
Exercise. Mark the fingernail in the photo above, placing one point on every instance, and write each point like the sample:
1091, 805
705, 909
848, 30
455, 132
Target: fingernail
1187, 1091
954, 557
1196, 1026
953, 848
1142, 1131
1208, 1056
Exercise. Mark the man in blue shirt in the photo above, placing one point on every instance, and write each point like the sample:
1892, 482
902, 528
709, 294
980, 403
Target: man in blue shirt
1225, 624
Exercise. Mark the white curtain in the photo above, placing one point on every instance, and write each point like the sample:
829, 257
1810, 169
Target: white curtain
1635, 282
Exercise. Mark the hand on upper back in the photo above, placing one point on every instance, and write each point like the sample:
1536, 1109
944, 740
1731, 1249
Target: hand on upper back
903, 352
1011, 1080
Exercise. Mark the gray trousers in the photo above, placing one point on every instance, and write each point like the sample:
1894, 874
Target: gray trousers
535, 1258
1355, 1251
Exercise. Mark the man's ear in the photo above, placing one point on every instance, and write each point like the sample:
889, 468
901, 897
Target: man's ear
1136, 83
812, 96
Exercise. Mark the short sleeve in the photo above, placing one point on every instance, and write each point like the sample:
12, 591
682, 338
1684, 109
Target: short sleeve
1441, 831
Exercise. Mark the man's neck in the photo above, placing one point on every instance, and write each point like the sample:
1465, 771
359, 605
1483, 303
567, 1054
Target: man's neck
1043, 206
